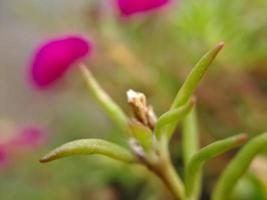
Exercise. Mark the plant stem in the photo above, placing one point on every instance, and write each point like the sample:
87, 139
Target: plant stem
190, 141
164, 169
190, 145
171, 180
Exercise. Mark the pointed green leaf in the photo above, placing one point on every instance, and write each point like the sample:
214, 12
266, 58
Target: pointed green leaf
88, 147
192, 81
193, 169
141, 133
238, 167
104, 100
172, 116
194, 77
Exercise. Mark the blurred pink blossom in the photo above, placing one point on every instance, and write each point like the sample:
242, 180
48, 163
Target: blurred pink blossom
54, 57
20, 142
3, 155
27, 137
131, 7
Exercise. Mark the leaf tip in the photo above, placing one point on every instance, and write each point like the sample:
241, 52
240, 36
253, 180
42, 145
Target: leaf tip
242, 138
44, 159
192, 101
49, 157
218, 47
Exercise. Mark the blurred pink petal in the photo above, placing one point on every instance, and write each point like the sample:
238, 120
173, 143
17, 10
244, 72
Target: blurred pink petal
3, 155
29, 137
131, 7
53, 58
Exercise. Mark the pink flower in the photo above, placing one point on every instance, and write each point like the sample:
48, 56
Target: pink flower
28, 137
53, 58
3, 155
131, 7
21, 141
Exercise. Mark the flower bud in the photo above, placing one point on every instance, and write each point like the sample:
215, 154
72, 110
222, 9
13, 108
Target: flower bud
53, 58
131, 7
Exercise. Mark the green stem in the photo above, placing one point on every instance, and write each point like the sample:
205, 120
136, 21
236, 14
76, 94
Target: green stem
190, 144
104, 100
238, 167
172, 181
167, 173
190, 140
193, 168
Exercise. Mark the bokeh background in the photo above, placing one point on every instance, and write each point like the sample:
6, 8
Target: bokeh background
151, 53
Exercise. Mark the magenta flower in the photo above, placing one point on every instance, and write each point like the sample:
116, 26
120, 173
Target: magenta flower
19, 142
3, 155
131, 7
28, 137
53, 58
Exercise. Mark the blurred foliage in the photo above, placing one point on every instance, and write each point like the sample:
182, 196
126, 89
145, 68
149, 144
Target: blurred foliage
151, 53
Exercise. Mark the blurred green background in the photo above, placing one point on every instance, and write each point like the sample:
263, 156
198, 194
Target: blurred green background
151, 53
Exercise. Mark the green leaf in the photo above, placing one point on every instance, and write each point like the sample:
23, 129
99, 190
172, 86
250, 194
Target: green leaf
238, 167
88, 147
171, 116
142, 134
192, 81
104, 100
193, 169
194, 77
